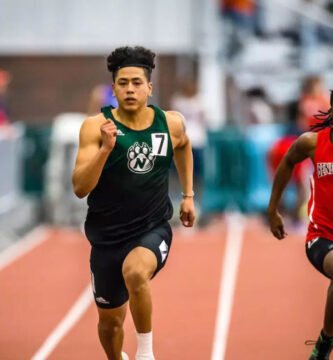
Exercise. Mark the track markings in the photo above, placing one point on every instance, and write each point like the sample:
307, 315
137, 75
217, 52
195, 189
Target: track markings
71, 318
23, 246
234, 241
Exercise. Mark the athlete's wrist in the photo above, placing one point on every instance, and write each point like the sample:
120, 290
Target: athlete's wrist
106, 149
189, 194
271, 209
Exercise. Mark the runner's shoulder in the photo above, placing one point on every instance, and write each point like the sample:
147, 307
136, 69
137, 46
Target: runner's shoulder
307, 141
90, 128
94, 120
176, 122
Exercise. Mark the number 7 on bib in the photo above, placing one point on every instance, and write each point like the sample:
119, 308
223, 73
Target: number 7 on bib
160, 144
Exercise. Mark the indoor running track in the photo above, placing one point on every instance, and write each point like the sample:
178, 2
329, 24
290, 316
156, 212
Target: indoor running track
229, 291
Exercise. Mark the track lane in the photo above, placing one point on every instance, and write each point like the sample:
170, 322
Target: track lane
185, 301
38, 289
279, 300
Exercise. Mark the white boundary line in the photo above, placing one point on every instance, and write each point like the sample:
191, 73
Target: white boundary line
23, 246
71, 318
234, 243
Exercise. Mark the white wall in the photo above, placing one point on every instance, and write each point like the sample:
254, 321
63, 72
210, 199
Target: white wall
83, 26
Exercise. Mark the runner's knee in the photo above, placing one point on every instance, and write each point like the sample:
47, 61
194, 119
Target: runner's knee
110, 324
136, 279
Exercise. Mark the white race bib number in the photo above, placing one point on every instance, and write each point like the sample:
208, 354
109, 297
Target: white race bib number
160, 144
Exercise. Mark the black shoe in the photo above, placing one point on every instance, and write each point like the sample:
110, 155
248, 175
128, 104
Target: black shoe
322, 347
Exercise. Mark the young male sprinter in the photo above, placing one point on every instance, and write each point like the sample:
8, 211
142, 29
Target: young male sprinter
318, 146
122, 163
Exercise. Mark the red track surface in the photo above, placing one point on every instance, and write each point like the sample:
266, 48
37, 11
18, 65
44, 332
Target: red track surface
278, 301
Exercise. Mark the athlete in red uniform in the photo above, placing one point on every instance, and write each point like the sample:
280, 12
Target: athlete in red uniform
318, 146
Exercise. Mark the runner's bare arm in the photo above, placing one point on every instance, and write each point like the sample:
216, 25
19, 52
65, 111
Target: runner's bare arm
97, 139
301, 149
183, 159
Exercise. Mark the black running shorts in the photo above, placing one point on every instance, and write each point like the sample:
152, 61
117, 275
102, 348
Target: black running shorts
316, 250
106, 264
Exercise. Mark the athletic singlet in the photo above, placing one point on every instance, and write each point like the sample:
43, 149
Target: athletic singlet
320, 205
131, 196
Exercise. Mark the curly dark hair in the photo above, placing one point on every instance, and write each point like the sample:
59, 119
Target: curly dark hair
325, 117
131, 56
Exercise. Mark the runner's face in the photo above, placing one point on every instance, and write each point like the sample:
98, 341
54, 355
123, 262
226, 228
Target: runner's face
132, 88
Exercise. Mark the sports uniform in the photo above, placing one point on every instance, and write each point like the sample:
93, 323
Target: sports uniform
130, 206
319, 239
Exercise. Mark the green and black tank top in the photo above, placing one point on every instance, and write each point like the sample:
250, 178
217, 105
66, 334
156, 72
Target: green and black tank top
131, 196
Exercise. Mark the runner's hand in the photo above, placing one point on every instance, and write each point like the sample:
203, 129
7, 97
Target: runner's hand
187, 212
109, 135
277, 226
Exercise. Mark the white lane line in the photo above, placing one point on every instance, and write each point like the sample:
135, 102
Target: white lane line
23, 246
234, 243
71, 318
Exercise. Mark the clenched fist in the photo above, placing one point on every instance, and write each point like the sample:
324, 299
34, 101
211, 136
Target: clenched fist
187, 212
109, 135
276, 225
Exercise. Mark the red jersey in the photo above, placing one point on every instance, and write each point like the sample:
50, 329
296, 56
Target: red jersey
320, 206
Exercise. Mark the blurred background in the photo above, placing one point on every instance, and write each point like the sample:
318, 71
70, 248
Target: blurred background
247, 75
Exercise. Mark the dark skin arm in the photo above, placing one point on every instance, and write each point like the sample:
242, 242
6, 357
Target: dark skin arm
302, 148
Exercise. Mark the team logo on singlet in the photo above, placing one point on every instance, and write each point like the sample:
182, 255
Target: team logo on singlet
324, 169
140, 158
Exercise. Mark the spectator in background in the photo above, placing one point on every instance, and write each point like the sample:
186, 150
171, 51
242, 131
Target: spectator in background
313, 98
326, 32
239, 16
308, 35
101, 95
259, 110
315, 29
4, 82
188, 102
